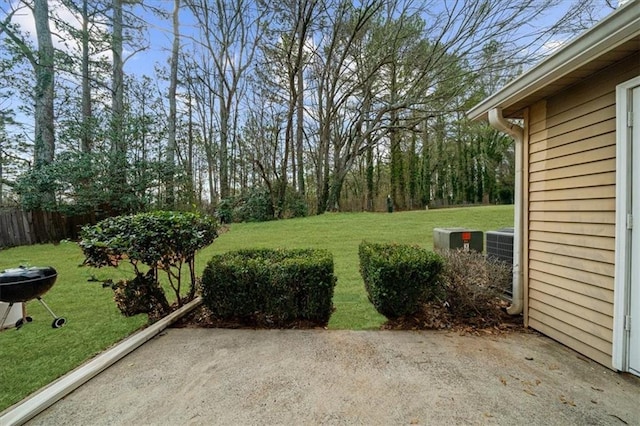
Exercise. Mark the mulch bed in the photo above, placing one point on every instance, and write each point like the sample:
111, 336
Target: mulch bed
201, 317
433, 316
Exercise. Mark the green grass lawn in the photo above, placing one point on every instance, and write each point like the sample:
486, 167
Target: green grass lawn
341, 233
37, 354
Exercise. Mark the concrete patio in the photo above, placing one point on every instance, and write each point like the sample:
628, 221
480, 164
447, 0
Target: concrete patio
218, 376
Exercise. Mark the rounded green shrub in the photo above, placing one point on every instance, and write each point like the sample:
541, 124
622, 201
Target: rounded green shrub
399, 278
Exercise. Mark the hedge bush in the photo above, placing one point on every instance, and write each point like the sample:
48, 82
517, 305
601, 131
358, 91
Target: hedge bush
399, 278
271, 287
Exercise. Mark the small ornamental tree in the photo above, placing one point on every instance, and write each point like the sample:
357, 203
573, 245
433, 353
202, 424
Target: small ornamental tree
163, 241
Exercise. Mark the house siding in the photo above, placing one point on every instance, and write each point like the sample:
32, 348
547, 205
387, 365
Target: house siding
570, 192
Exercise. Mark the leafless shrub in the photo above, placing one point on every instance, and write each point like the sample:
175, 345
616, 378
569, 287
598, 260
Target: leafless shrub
475, 286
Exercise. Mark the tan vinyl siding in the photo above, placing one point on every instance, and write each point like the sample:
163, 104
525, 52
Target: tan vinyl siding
570, 284
607, 178
590, 266
586, 171
578, 341
570, 192
595, 229
571, 216
596, 104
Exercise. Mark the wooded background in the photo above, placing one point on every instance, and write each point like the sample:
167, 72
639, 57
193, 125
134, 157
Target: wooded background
311, 105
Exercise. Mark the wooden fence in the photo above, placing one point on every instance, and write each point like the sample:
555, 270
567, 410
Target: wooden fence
19, 228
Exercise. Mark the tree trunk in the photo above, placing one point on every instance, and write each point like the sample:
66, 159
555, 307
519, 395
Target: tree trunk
288, 146
1, 159
224, 148
335, 190
397, 162
86, 139
323, 170
413, 173
425, 181
118, 148
44, 93
369, 166
117, 99
300, 114
171, 130
441, 191
190, 143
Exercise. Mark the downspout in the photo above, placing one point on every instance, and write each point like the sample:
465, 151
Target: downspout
497, 121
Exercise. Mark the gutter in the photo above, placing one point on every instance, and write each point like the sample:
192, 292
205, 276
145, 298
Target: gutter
497, 121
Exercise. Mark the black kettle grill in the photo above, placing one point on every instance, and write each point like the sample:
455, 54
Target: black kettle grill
23, 284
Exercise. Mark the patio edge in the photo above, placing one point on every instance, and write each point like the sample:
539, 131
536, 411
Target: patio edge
34, 404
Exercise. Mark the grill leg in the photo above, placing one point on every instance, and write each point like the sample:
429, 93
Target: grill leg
6, 314
57, 321
46, 307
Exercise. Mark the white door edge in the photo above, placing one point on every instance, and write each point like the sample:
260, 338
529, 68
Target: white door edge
623, 235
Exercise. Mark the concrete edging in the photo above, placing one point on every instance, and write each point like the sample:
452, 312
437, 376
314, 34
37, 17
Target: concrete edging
29, 407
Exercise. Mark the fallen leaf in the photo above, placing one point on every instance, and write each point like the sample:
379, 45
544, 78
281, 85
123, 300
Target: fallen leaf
567, 401
530, 392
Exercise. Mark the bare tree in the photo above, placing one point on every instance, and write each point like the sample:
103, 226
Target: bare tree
384, 66
285, 55
87, 134
336, 86
173, 83
231, 31
199, 76
42, 62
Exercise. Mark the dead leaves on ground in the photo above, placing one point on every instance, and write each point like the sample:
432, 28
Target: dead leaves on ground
567, 401
435, 316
